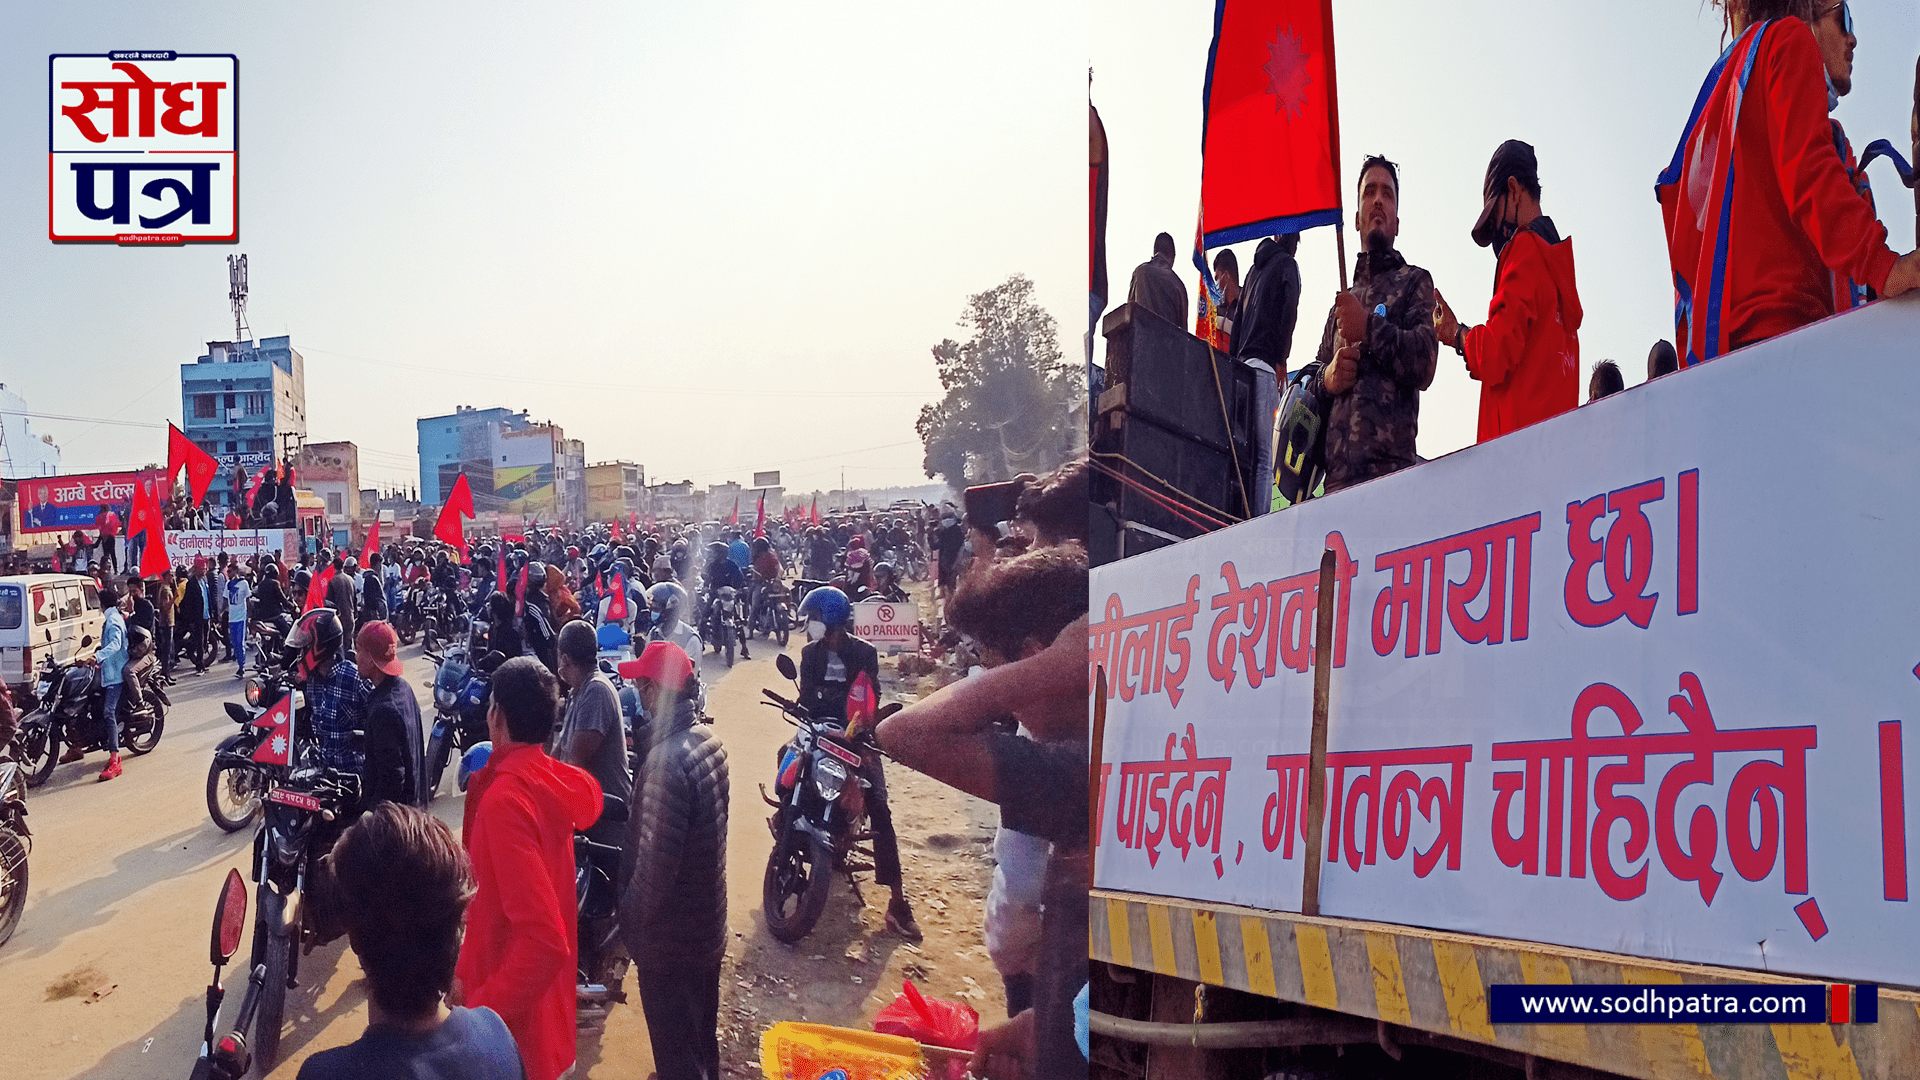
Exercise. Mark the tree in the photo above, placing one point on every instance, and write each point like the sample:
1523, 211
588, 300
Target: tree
1010, 397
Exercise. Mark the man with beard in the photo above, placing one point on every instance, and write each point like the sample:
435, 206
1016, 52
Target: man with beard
1378, 350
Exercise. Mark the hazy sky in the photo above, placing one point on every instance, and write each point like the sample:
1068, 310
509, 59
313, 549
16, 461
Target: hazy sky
1600, 90
709, 238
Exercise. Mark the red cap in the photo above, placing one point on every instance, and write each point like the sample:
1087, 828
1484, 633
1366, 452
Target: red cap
663, 662
379, 645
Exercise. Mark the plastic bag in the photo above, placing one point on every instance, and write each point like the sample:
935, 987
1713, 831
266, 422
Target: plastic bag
929, 1020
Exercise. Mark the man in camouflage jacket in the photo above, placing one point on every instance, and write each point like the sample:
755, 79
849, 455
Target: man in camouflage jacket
1379, 348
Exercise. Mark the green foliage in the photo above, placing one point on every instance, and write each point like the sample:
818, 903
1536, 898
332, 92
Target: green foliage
1010, 397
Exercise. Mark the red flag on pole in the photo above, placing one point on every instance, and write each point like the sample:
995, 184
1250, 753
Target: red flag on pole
200, 465
617, 602
735, 520
277, 747
520, 595
760, 517
617, 538
816, 510
633, 523
500, 567
449, 528
146, 519
317, 589
373, 544
1270, 139
253, 489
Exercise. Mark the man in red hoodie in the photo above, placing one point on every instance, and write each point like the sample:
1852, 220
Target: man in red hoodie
521, 952
1760, 214
1527, 354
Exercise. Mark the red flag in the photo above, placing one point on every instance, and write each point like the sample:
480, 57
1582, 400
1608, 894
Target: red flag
760, 517
200, 465
1270, 139
616, 531
862, 703
253, 489
449, 528
317, 589
373, 544
816, 509
146, 519
735, 520
520, 595
617, 606
276, 748
500, 568
633, 522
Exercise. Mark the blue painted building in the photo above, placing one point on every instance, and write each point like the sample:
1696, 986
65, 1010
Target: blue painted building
463, 441
238, 400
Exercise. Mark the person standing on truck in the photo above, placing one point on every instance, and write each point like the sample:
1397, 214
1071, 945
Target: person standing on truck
1156, 287
1526, 356
1761, 229
1263, 339
1379, 348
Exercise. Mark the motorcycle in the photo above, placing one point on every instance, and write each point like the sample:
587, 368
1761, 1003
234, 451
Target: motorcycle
236, 784
769, 612
73, 707
283, 854
434, 623
461, 692
408, 617
721, 627
603, 956
820, 816
16, 841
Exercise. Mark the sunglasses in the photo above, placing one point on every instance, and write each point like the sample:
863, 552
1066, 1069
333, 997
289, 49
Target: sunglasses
1846, 16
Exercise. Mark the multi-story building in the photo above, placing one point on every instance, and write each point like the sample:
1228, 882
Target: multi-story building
23, 453
464, 441
570, 480
615, 489
239, 401
332, 472
677, 502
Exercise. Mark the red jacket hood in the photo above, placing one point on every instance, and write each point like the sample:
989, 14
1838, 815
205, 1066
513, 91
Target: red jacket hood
1560, 265
577, 791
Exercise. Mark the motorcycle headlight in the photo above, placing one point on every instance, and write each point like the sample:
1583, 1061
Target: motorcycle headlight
444, 698
252, 689
829, 777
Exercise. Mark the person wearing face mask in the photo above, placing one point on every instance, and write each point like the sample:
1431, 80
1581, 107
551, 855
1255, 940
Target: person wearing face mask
1526, 356
831, 665
1378, 350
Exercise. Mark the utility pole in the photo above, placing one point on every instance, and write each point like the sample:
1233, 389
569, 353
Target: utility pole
237, 296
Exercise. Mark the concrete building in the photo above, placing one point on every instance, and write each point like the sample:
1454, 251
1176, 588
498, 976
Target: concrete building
677, 502
615, 489
22, 452
242, 402
332, 471
570, 480
465, 440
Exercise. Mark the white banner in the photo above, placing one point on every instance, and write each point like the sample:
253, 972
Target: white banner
1641, 678
889, 627
184, 544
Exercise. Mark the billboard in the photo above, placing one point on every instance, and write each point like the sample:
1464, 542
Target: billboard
766, 479
1633, 679
55, 504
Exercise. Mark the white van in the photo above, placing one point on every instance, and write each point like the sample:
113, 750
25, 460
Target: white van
36, 606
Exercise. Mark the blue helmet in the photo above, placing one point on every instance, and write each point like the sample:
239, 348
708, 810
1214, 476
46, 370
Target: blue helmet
473, 761
829, 604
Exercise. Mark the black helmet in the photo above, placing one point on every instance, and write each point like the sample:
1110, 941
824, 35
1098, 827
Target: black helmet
317, 634
536, 575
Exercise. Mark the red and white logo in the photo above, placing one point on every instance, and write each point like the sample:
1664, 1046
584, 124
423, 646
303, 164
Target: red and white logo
885, 613
143, 148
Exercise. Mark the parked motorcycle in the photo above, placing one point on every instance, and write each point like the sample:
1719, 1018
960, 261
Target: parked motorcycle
461, 692
406, 607
603, 956
236, 784
820, 816
16, 841
72, 710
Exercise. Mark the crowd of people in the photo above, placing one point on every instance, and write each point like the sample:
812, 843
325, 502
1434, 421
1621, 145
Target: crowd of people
1801, 242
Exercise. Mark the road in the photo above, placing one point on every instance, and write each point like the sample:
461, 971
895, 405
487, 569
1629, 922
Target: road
106, 975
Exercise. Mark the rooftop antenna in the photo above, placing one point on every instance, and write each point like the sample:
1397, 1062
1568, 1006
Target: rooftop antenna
237, 296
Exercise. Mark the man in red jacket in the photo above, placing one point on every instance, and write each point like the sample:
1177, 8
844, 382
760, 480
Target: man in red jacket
1527, 354
521, 952
1760, 214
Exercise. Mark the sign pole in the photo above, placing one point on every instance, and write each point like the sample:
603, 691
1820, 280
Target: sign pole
1317, 755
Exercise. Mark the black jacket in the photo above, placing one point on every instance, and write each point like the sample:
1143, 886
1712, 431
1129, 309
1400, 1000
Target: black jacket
823, 698
536, 630
396, 768
673, 903
1269, 307
373, 595
269, 600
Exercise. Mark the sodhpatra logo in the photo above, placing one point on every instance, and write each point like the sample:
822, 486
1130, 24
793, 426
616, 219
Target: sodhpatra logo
143, 147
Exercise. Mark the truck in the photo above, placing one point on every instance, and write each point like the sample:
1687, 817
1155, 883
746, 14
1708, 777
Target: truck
1617, 700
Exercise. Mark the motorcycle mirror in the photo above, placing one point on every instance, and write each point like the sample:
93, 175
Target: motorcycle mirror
86, 640
785, 664
229, 918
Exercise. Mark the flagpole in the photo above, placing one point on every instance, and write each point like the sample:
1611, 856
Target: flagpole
1340, 248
